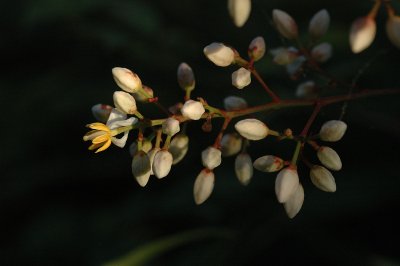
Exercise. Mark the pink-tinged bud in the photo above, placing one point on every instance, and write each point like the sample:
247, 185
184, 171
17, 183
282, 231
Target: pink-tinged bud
307, 90
241, 78
101, 112
332, 130
244, 168
284, 56
231, 144
256, 48
146, 147
319, 24
124, 102
234, 103
126, 79
211, 157
141, 168
252, 129
162, 163
170, 126
219, 54
393, 29
192, 110
203, 186
329, 158
295, 202
322, 52
362, 34
322, 178
285, 24
186, 77
179, 147
143, 95
268, 163
239, 10
286, 184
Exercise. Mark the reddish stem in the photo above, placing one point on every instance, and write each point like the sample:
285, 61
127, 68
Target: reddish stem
314, 114
217, 143
274, 97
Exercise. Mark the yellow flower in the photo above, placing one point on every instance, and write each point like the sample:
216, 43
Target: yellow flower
100, 137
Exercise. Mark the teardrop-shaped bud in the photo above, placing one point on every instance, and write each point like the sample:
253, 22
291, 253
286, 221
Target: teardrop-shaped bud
211, 157
179, 147
244, 168
332, 130
285, 24
170, 126
329, 158
239, 10
256, 48
203, 186
152, 153
362, 33
322, 178
393, 29
141, 168
319, 24
192, 110
268, 163
162, 163
295, 202
144, 94
231, 143
146, 147
186, 77
322, 52
234, 103
286, 184
307, 90
101, 112
219, 54
126, 79
124, 102
252, 129
241, 78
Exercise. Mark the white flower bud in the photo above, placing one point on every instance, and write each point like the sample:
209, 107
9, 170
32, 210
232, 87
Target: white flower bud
295, 202
268, 163
252, 129
285, 24
329, 158
239, 10
126, 79
319, 24
241, 78
322, 178
146, 147
143, 97
162, 163
124, 102
231, 144
362, 34
332, 130
322, 52
219, 54
186, 77
284, 56
179, 147
211, 157
256, 48
307, 90
141, 168
393, 29
286, 184
192, 110
203, 186
101, 112
233, 103
170, 126
244, 168
152, 153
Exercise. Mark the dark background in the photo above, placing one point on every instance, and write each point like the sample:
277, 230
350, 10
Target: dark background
63, 205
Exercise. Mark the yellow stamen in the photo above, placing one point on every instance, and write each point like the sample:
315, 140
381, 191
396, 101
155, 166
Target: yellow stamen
105, 146
101, 138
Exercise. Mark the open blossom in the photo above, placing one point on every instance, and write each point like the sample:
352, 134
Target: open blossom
239, 11
126, 79
219, 54
103, 135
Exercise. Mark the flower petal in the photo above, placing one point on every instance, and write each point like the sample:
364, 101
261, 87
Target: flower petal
122, 123
120, 142
115, 115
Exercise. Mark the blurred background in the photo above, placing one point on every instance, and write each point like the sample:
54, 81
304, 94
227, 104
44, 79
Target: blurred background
63, 205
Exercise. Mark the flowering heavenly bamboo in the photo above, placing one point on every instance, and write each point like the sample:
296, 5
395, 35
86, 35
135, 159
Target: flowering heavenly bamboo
161, 142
